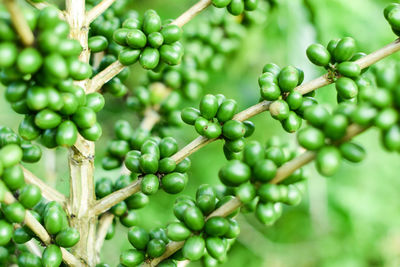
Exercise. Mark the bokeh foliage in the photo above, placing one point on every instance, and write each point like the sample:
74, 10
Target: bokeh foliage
350, 219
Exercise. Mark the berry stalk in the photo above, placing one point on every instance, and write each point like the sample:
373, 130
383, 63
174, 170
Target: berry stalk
98, 10
39, 5
191, 12
104, 223
19, 22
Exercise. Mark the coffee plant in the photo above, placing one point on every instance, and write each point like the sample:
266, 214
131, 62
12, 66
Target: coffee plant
56, 66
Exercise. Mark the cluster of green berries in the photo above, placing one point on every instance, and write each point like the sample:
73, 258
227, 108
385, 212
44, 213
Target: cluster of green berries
104, 26
153, 161
12, 174
326, 129
215, 118
147, 245
377, 105
29, 197
208, 43
55, 221
277, 85
250, 178
40, 85
130, 143
18, 254
126, 140
392, 15
147, 157
148, 41
338, 58
212, 39
57, 116
31, 153
380, 96
125, 211
52, 59
236, 7
207, 239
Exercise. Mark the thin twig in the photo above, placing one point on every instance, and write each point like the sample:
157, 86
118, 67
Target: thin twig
105, 222
104, 76
192, 147
191, 12
289, 167
151, 117
48, 193
19, 22
41, 232
38, 5
44, 4
50, 157
97, 57
33, 247
107, 202
98, 10
283, 172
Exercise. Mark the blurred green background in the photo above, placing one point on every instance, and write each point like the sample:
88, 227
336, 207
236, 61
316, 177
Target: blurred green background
350, 219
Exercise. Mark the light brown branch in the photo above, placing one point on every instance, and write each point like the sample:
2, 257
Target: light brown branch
50, 157
33, 247
44, 4
98, 10
151, 117
38, 5
291, 166
192, 147
41, 232
97, 57
19, 22
49, 193
379, 54
107, 202
104, 76
191, 12
105, 222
